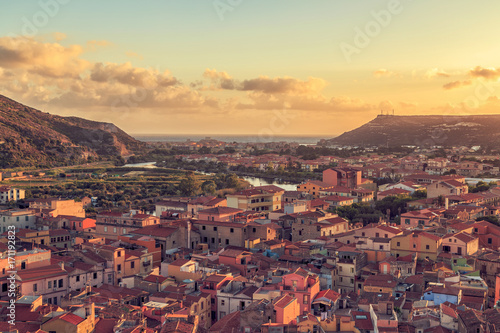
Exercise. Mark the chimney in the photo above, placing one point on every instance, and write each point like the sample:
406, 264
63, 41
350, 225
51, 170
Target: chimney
446, 203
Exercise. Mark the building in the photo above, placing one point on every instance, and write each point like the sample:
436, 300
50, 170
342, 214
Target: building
347, 177
51, 282
20, 218
8, 193
426, 245
260, 198
114, 224
447, 187
53, 207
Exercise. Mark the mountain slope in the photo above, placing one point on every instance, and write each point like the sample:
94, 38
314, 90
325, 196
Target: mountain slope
481, 130
29, 137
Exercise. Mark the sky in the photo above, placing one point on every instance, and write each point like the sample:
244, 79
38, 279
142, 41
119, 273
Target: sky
273, 68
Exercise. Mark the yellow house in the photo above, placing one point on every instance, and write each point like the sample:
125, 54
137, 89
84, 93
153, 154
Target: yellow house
81, 320
424, 244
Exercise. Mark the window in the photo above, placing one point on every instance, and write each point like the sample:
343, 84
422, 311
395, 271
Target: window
132, 264
222, 302
95, 275
231, 230
114, 230
407, 221
398, 244
340, 268
203, 228
105, 229
377, 235
35, 287
254, 230
427, 247
215, 228
414, 246
381, 247
490, 240
352, 269
77, 278
4, 287
306, 299
119, 253
227, 241
119, 268
61, 283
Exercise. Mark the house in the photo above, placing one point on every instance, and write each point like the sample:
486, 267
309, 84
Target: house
182, 269
347, 177
60, 238
19, 218
113, 224
304, 286
349, 263
53, 207
314, 188
221, 234
287, 308
426, 245
325, 303
260, 198
234, 296
8, 193
336, 200
447, 187
326, 227
419, 219
211, 285
80, 320
440, 293
401, 266
460, 243
382, 283
238, 259
219, 214
51, 282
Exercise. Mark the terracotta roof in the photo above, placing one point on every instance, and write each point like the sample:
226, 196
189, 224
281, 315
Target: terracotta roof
283, 301
69, 318
228, 323
41, 273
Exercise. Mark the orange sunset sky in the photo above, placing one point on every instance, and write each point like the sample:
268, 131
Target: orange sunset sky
240, 66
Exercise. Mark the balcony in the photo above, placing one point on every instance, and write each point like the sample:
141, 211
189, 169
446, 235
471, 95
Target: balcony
146, 263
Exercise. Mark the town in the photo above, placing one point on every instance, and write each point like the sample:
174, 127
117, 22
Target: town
370, 241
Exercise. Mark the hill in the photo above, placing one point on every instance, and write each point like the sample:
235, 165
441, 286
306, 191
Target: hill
29, 137
447, 131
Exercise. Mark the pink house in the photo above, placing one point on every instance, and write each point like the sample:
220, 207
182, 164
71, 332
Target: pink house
419, 219
303, 286
238, 259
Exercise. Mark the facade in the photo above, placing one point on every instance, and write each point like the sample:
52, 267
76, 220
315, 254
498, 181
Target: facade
113, 224
260, 198
20, 218
425, 245
8, 193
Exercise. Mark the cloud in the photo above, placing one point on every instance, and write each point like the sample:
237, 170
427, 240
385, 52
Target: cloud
457, 84
436, 72
134, 76
486, 73
264, 84
382, 72
46, 59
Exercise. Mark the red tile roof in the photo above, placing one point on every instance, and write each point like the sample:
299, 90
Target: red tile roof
69, 318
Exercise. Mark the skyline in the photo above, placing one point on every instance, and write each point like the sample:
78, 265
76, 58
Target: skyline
226, 67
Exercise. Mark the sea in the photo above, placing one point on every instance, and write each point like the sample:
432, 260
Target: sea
301, 139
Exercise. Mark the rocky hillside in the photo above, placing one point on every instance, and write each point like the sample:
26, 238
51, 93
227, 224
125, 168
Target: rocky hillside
29, 137
448, 131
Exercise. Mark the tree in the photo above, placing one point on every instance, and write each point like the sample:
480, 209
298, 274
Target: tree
490, 218
208, 187
190, 185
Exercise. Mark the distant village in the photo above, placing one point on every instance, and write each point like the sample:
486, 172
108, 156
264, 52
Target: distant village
265, 259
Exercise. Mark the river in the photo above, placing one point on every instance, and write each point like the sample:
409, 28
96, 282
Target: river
254, 181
